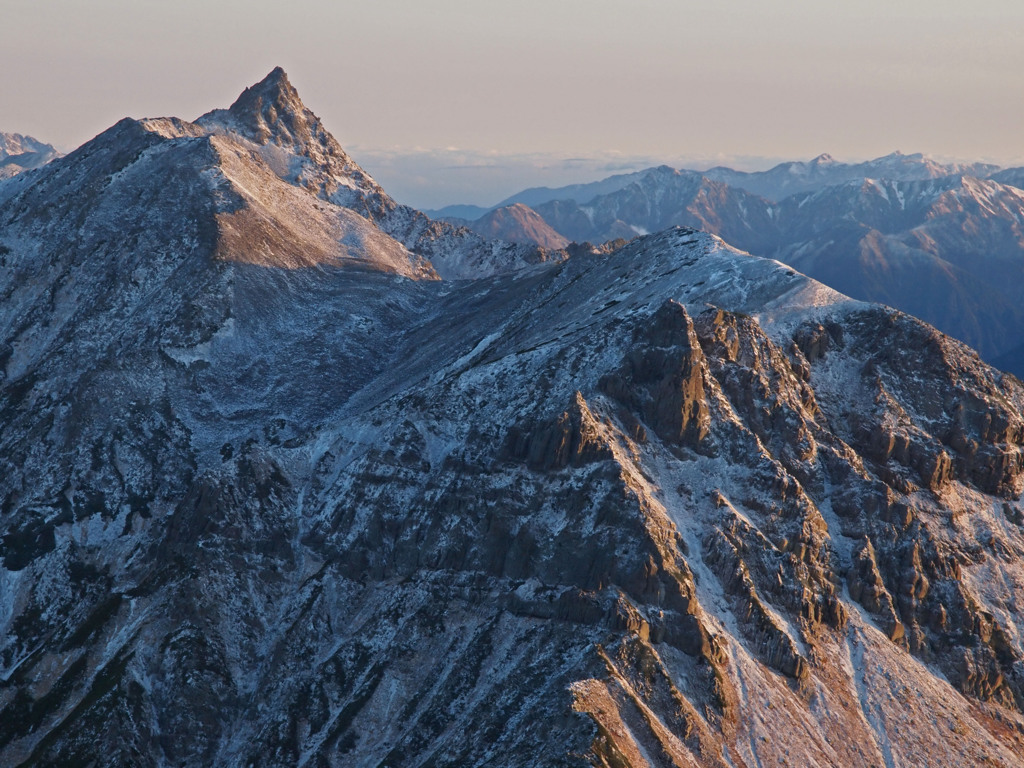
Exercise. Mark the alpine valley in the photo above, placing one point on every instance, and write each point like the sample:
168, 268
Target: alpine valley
293, 475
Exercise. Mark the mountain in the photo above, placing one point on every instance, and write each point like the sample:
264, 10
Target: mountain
1013, 177
516, 224
273, 493
661, 198
781, 181
823, 171
294, 144
460, 212
537, 195
22, 153
583, 192
946, 249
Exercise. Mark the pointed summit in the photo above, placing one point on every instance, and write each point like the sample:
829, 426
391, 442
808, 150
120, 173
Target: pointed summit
273, 90
296, 145
271, 111
277, 75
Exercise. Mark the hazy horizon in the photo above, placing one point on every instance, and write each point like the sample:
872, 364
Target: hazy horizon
540, 93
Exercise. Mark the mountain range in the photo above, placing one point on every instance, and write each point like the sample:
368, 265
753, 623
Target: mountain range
295, 475
21, 153
942, 242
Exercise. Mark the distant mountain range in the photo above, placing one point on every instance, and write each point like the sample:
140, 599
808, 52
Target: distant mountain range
22, 153
824, 171
944, 242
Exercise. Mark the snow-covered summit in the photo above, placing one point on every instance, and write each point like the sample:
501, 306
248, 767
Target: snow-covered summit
271, 119
824, 170
271, 110
294, 141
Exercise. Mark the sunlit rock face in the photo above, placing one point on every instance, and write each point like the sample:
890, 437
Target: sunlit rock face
277, 490
20, 153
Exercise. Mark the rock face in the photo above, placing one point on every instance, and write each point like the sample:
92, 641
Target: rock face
275, 502
573, 439
662, 378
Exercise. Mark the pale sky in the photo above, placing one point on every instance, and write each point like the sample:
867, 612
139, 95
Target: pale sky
461, 100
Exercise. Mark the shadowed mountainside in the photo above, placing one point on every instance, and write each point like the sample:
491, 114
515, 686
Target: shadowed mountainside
278, 491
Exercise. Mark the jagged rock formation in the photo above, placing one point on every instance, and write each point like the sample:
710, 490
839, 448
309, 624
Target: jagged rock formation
265, 504
271, 119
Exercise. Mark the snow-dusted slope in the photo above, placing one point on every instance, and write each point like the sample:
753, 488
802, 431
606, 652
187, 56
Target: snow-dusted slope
823, 171
946, 249
669, 505
270, 120
22, 153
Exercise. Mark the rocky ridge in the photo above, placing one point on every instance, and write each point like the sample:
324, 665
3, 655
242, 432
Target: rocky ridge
266, 503
792, 178
928, 239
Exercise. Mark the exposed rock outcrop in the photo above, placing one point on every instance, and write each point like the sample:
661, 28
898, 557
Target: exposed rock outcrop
662, 378
573, 439
258, 513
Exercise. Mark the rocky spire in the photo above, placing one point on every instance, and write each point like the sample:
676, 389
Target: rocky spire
272, 111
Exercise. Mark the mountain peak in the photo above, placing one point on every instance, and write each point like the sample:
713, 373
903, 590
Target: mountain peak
823, 159
518, 223
276, 74
272, 111
275, 88
295, 142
